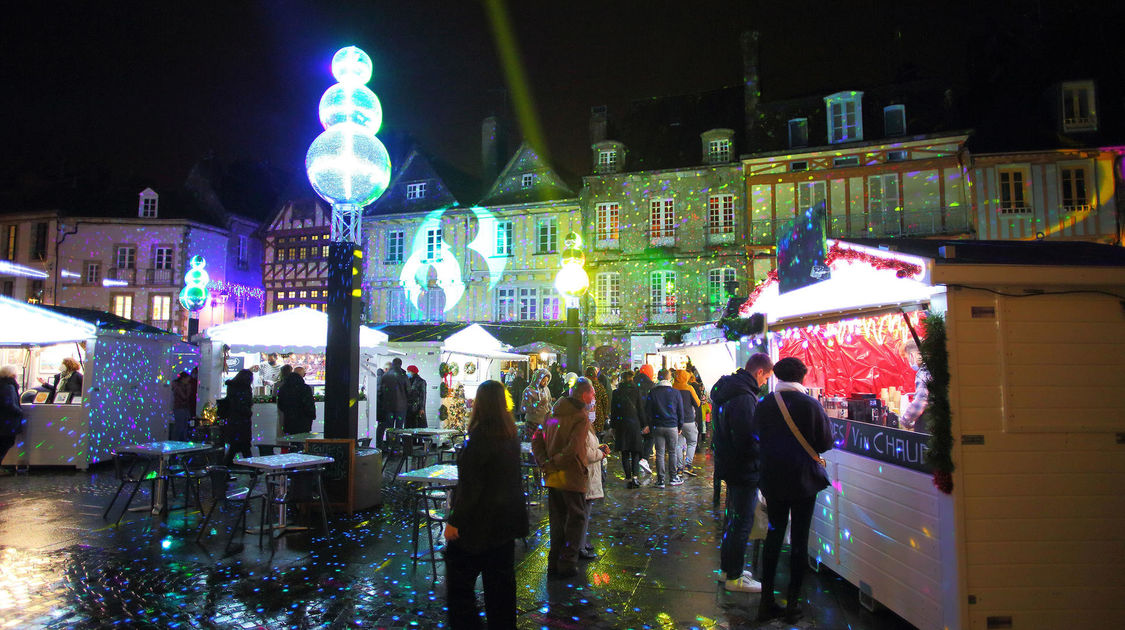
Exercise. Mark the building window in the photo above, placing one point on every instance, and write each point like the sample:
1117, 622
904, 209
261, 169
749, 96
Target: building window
894, 120
121, 305
148, 208
1073, 189
607, 160
396, 246
241, 253
434, 304
161, 308
662, 219
35, 292
662, 296
1012, 188
845, 122
504, 233
1078, 109
416, 190
529, 304
717, 280
809, 194
8, 288
303, 295
10, 233
801, 165
279, 255
720, 214
126, 257
239, 308
396, 305
505, 304
798, 133
527, 180
93, 273
162, 258
433, 245
551, 310
841, 162
607, 295
896, 156
718, 151
39, 242
882, 196
608, 217
546, 235
324, 251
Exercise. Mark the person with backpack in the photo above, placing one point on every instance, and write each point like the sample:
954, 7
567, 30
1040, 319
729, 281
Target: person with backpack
735, 440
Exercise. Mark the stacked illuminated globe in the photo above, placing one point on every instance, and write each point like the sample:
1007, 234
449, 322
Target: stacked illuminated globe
572, 280
194, 295
347, 164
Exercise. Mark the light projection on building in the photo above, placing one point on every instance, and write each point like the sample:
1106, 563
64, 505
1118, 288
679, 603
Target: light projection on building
430, 252
9, 268
195, 294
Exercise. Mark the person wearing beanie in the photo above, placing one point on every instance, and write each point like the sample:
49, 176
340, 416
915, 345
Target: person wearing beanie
415, 399
689, 437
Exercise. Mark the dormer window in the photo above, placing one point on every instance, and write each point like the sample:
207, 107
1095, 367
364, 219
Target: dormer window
798, 133
608, 156
149, 203
894, 120
1078, 111
607, 160
845, 116
718, 151
527, 180
718, 146
416, 190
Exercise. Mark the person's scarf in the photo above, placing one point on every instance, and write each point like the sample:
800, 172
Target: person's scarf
786, 386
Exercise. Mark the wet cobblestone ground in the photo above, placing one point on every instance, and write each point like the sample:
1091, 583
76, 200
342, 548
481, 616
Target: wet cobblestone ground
62, 566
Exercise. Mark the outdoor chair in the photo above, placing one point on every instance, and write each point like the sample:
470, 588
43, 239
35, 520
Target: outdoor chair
304, 486
363, 442
129, 469
272, 449
430, 508
192, 469
240, 497
449, 454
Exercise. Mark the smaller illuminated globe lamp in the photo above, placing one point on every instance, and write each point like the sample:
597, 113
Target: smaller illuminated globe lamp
572, 280
194, 295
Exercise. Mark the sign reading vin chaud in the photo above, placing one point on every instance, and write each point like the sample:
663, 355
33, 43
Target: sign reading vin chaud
894, 446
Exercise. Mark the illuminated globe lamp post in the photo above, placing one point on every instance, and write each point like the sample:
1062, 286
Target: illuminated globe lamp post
348, 167
572, 282
194, 295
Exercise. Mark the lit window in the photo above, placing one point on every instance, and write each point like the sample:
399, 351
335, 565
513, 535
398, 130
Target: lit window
161, 308
279, 255
1012, 191
546, 235
396, 240
324, 251
303, 295
662, 219
527, 180
433, 245
1079, 113
717, 280
504, 233
122, 305
10, 242
662, 295
304, 253
529, 303
416, 190
551, 304
845, 122
720, 214
608, 217
292, 294
1073, 189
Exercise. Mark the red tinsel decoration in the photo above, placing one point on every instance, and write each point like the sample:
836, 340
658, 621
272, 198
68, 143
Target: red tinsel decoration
943, 481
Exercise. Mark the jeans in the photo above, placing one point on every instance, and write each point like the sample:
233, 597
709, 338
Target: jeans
180, 417
689, 439
496, 566
567, 515
741, 501
779, 511
665, 439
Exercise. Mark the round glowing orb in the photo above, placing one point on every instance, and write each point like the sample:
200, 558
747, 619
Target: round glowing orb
348, 165
194, 295
351, 103
572, 281
352, 66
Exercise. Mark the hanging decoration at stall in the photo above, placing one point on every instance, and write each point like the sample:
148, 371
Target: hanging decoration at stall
935, 356
801, 248
194, 295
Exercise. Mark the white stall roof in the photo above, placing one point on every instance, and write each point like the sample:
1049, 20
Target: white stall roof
29, 325
475, 341
300, 329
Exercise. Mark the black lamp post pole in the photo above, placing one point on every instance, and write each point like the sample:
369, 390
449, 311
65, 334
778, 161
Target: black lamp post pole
341, 360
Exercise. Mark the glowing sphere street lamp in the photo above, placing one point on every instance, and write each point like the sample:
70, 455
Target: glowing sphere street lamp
195, 295
572, 282
349, 168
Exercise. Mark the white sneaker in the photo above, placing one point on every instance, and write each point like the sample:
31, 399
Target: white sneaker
748, 575
744, 585
645, 466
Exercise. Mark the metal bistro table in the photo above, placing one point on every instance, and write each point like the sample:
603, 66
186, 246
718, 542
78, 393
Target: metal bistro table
163, 452
440, 474
299, 439
278, 466
434, 438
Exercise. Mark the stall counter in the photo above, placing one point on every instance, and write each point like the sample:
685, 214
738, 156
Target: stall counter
266, 430
54, 435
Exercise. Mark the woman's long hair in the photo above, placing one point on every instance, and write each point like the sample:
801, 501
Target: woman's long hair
492, 412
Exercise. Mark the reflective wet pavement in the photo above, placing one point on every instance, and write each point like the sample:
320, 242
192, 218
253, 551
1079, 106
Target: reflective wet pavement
62, 566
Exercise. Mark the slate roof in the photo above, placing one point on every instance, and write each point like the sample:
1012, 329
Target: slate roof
419, 332
105, 321
508, 188
416, 167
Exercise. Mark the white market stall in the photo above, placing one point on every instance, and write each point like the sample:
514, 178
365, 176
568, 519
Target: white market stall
476, 354
299, 335
127, 368
1033, 531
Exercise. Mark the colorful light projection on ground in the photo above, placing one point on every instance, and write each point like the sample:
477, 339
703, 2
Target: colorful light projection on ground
194, 295
432, 265
347, 165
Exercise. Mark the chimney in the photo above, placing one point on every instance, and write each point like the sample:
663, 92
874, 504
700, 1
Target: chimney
751, 86
598, 123
492, 148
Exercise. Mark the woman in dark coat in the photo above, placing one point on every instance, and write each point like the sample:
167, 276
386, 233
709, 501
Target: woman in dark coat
239, 408
11, 414
625, 418
489, 513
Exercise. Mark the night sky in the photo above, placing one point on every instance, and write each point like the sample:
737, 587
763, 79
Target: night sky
148, 88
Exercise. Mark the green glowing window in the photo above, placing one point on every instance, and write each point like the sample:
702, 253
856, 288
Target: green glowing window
396, 240
662, 292
717, 280
433, 245
504, 233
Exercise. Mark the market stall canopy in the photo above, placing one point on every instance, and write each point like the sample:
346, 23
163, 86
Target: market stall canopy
467, 339
32, 325
300, 329
536, 347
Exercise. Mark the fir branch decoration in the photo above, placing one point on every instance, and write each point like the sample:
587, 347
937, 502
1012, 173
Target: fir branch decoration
938, 417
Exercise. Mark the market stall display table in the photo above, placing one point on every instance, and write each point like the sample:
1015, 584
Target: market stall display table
163, 452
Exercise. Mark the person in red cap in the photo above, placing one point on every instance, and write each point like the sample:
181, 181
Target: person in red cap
645, 381
415, 398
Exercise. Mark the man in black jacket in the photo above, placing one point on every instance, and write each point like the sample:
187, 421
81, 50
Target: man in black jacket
735, 438
415, 399
664, 409
295, 402
393, 396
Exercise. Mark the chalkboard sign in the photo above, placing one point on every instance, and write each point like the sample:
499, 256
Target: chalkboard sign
339, 476
886, 444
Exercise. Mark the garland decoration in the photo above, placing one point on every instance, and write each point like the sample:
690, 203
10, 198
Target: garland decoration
938, 416
735, 328
470, 367
673, 337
